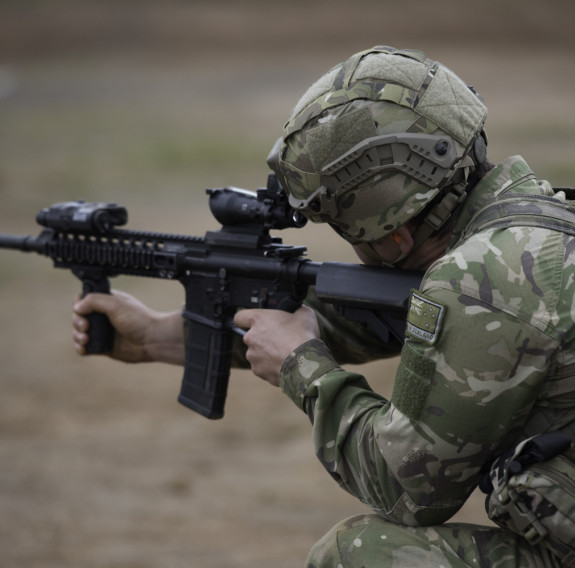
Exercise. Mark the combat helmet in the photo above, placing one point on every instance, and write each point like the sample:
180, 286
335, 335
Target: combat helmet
377, 140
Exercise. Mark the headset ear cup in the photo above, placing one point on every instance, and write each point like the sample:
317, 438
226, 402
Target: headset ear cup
480, 149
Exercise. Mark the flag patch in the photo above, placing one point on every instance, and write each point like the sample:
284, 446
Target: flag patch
424, 318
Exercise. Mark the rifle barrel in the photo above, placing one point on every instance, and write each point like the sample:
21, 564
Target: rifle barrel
26, 243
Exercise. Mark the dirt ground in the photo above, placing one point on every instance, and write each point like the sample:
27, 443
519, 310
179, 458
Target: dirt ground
147, 104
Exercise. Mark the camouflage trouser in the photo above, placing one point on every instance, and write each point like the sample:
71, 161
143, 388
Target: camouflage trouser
369, 541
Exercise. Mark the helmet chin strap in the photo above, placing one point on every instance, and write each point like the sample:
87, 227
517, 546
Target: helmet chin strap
443, 209
456, 192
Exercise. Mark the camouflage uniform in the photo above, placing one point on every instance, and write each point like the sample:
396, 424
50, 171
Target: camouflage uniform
488, 361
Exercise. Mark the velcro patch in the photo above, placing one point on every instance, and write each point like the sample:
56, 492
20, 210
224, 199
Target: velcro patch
424, 318
412, 383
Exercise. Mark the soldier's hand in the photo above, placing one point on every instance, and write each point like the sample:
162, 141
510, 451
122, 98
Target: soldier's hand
272, 335
142, 334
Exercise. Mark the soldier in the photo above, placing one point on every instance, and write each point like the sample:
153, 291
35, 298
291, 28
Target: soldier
389, 148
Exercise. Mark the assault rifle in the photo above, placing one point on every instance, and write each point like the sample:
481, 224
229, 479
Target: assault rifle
239, 266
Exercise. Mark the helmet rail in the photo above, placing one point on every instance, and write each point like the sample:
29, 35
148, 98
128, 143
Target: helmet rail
427, 158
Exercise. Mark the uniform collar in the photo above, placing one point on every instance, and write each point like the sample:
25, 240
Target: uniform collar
512, 175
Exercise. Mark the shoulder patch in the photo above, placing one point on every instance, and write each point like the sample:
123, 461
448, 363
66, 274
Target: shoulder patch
424, 318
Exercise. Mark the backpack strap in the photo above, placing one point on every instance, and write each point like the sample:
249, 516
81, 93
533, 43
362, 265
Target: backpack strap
524, 211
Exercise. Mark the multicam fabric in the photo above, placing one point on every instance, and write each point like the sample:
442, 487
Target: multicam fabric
366, 212
500, 368
372, 541
376, 92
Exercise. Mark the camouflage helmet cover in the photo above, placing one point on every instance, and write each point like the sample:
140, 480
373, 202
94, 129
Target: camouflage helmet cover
374, 140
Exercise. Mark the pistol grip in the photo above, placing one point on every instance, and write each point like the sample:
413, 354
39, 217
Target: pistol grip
101, 331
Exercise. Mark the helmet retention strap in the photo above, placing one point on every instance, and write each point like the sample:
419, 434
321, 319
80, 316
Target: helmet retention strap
444, 208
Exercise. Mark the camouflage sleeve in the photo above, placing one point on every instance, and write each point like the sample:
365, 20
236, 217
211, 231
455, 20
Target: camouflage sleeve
415, 459
477, 353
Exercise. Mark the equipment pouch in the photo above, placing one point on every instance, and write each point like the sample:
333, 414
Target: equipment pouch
531, 492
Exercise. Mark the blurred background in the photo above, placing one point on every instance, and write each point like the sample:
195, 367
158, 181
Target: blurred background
147, 104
